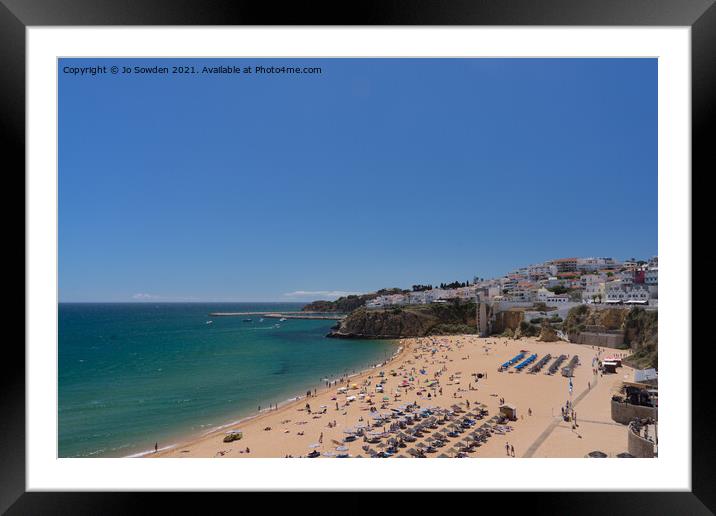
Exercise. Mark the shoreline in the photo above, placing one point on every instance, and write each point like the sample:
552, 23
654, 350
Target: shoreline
281, 406
440, 373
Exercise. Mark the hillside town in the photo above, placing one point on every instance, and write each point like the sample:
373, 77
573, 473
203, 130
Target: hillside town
558, 282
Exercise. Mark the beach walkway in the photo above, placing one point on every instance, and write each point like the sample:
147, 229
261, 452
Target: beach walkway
557, 421
595, 428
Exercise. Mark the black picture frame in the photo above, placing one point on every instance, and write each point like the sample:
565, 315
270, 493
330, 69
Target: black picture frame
17, 15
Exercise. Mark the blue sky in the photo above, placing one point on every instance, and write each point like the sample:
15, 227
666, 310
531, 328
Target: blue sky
375, 173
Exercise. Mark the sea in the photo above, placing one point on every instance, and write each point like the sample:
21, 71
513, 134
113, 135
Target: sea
134, 374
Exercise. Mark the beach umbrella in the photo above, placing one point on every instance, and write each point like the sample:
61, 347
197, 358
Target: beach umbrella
341, 448
443, 456
328, 454
625, 455
597, 454
314, 445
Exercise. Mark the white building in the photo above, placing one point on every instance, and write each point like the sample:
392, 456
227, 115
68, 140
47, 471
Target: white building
418, 298
545, 296
494, 291
522, 294
590, 279
620, 292
390, 300
554, 281
595, 264
626, 277
467, 293
594, 290
540, 270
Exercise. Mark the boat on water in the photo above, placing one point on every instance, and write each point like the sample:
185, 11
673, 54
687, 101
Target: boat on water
209, 322
261, 320
283, 319
248, 320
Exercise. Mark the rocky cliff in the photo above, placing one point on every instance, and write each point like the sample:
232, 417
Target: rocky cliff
547, 333
641, 333
604, 319
508, 320
640, 328
410, 321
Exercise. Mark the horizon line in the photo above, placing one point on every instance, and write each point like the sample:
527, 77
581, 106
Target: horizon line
136, 302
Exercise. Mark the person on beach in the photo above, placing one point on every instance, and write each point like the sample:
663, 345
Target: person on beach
512, 450
156, 447
320, 438
507, 448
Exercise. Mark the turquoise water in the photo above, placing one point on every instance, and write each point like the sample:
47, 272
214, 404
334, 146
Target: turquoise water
134, 374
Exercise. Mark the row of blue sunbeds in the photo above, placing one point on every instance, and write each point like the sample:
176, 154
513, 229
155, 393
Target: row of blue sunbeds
526, 362
511, 361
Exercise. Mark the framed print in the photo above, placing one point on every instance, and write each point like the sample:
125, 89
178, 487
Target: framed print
257, 242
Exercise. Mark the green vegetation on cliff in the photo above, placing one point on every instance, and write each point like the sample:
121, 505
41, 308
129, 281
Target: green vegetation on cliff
641, 332
409, 321
641, 328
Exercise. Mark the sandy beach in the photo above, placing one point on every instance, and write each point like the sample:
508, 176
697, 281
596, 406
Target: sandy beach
439, 373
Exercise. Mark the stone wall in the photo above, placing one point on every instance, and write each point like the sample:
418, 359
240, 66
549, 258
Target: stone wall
607, 340
638, 446
624, 412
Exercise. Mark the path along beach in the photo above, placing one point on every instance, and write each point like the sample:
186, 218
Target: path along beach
440, 372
